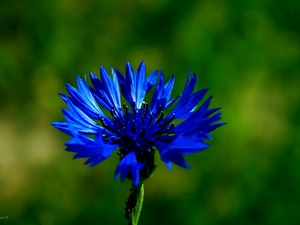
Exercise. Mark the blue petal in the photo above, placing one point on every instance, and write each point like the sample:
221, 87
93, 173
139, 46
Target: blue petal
130, 82
161, 95
151, 80
157, 91
79, 120
106, 92
187, 106
129, 166
212, 127
99, 93
94, 149
111, 88
135, 86
202, 120
181, 145
141, 85
126, 91
84, 99
188, 100
62, 126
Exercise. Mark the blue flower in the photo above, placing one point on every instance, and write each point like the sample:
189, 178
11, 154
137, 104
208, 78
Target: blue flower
98, 123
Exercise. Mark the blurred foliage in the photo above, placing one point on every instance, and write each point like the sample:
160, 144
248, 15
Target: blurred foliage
247, 52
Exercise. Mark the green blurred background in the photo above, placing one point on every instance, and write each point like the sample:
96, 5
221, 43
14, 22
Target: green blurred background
247, 52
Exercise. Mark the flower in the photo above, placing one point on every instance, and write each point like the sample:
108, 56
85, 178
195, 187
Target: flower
138, 129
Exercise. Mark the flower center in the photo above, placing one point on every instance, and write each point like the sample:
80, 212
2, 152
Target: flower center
137, 130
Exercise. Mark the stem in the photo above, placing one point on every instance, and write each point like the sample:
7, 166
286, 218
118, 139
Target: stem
134, 204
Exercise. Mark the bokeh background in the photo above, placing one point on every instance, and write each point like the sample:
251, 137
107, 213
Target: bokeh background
246, 51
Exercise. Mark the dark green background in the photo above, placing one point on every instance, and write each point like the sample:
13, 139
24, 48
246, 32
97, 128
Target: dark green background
247, 53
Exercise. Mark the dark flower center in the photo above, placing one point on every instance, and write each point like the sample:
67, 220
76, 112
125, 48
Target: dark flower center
137, 130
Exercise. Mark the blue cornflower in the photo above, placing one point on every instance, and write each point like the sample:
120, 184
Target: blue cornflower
138, 129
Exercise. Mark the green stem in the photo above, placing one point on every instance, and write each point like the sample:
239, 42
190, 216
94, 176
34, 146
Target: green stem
134, 204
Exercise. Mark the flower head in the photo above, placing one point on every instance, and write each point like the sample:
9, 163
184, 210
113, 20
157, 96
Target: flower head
99, 123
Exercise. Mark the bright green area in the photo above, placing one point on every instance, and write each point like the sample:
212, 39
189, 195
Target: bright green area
247, 53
